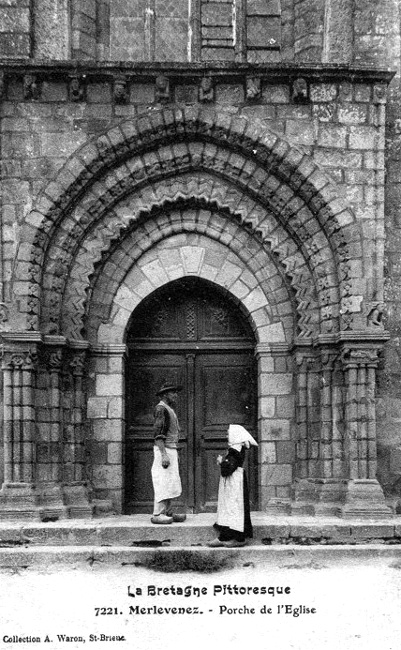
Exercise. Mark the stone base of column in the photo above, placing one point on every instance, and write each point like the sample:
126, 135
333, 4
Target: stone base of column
364, 498
318, 497
76, 499
52, 506
19, 501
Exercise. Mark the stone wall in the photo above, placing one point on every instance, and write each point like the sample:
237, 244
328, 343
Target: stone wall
335, 115
15, 29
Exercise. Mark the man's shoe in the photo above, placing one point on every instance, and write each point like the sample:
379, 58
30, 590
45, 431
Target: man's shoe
233, 543
178, 517
161, 519
215, 543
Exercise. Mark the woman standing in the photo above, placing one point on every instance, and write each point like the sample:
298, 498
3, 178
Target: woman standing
233, 524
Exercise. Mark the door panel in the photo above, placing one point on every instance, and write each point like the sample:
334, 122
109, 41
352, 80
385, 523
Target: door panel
224, 395
192, 334
145, 374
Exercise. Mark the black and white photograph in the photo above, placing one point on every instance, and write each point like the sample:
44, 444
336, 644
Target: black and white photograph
200, 324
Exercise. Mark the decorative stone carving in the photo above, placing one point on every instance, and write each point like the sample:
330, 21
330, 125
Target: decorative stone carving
162, 89
253, 88
359, 356
2, 84
379, 94
375, 316
206, 90
4, 315
120, 89
300, 91
55, 360
31, 87
77, 363
345, 91
24, 360
76, 89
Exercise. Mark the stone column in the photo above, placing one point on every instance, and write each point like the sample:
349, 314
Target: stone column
307, 431
319, 483
18, 495
330, 481
363, 495
74, 438
50, 430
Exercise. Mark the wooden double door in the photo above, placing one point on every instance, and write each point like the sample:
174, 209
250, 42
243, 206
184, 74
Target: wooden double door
192, 335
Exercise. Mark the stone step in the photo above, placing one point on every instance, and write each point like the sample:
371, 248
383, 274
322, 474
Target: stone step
201, 559
128, 531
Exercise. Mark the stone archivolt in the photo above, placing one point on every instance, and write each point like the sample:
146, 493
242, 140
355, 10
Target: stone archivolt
301, 210
219, 181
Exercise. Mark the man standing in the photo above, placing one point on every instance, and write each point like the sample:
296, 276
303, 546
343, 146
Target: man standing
165, 474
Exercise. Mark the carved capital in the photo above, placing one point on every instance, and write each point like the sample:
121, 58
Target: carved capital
77, 363
304, 360
55, 360
359, 357
19, 360
328, 358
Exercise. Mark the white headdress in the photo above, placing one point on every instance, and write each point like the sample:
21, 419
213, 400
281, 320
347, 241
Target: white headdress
238, 436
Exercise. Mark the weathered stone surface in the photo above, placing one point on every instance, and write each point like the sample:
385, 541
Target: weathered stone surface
272, 190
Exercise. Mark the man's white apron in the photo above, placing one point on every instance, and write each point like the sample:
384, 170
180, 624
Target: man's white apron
230, 504
166, 481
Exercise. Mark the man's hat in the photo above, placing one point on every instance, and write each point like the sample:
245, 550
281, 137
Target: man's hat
168, 386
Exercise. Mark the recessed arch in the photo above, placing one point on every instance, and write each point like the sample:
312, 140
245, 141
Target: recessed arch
264, 163
271, 316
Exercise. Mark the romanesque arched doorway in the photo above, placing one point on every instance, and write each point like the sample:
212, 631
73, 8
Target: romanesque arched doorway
189, 332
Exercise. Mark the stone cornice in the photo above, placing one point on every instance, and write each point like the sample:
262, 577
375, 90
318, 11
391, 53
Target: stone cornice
278, 72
